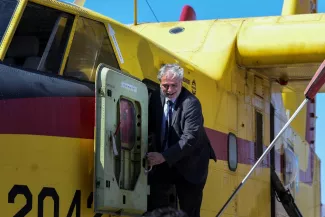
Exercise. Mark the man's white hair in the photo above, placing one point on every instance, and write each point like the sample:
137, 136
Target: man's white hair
174, 69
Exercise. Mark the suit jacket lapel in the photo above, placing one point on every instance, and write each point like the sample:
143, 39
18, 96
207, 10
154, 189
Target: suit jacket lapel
178, 104
161, 108
162, 100
175, 113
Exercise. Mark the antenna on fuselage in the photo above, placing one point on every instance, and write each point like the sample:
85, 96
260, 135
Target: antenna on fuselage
79, 2
135, 21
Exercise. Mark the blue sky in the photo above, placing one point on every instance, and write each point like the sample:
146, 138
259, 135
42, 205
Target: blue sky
169, 10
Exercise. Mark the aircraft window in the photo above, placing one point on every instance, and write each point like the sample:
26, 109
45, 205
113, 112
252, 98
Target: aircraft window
7, 8
40, 39
127, 124
258, 135
291, 167
232, 152
128, 143
90, 47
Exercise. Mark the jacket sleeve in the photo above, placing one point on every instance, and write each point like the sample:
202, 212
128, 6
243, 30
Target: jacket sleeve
190, 137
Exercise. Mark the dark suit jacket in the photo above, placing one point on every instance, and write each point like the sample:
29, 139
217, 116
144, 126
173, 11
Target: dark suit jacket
191, 149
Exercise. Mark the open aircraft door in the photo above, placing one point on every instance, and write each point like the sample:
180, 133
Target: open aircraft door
120, 185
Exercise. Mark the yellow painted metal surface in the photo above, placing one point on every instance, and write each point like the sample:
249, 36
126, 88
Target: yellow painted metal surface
291, 102
263, 43
65, 164
65, 57
210, 42
269, 40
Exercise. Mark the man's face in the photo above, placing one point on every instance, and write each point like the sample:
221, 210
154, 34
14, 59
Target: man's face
170, 85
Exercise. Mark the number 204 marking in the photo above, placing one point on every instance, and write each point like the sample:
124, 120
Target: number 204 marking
46, 192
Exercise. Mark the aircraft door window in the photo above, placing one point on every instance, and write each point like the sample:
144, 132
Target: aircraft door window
90, 47
7, 8
128, 162
232, 152
40, 39
127, 124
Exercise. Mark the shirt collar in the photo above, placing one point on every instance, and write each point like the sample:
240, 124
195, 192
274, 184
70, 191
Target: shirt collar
173, 100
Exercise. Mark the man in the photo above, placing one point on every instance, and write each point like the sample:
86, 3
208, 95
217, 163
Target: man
180, 149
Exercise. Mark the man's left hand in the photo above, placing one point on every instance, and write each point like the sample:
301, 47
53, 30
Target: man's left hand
155, 158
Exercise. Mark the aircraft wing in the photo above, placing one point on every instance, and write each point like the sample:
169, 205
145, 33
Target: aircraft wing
285, 48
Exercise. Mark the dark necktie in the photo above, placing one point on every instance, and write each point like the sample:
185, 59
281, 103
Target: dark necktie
168, 124
170, 112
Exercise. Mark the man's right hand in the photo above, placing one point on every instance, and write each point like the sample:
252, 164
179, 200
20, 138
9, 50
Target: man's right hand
155, 158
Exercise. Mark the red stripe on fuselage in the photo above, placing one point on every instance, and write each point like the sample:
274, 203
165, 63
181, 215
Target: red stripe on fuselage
75, 117
51, 116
